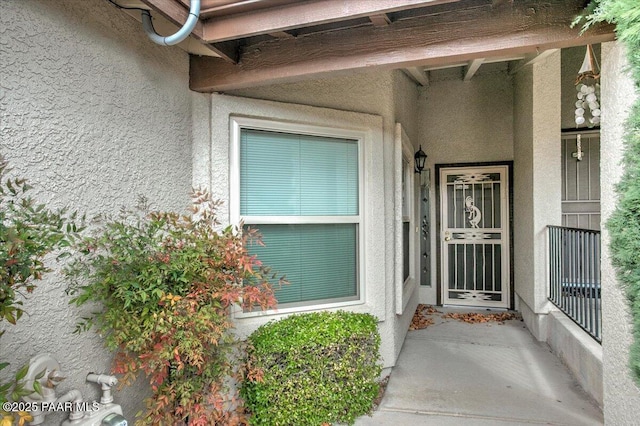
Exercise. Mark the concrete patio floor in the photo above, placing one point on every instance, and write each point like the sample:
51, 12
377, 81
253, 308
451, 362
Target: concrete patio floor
455, 373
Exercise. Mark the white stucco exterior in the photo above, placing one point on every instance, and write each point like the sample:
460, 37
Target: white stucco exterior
537, 183
621, 394
93, 115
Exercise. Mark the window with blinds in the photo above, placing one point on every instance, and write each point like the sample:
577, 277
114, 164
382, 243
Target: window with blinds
302, 193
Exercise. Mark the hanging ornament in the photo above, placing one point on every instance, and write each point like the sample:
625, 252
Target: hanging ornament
587, 106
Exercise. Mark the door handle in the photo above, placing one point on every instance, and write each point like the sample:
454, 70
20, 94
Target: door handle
447, 236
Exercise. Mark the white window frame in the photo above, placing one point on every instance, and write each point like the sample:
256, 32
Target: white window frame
240, 123
404, 154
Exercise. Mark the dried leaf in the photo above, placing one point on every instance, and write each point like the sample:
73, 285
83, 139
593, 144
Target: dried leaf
421, 319
476, 317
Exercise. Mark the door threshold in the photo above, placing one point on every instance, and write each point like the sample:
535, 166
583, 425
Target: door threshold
475, 308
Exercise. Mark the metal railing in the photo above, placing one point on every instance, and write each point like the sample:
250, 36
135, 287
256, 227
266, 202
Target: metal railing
574, 276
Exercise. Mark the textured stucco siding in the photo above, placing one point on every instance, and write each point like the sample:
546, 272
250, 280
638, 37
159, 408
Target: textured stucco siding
405, 95
405, 100
92, 114
621, 394
537, 182
464, 122
547, 184
523, 182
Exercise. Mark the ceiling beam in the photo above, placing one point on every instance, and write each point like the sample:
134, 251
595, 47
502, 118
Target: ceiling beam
418, 75
472, 68
302, 14
530, 59
469, 30
177, 14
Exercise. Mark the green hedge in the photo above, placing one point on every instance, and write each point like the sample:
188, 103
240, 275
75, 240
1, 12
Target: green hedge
311, 369
624, 225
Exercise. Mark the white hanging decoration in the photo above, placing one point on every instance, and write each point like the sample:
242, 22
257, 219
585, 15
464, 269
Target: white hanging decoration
587, 106
579, 152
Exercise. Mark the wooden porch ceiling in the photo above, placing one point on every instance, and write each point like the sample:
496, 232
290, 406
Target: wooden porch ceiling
260, 42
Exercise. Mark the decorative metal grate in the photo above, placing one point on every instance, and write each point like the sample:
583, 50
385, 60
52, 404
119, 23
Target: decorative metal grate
574, 276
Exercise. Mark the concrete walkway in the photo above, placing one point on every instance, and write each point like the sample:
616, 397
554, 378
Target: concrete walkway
454, 373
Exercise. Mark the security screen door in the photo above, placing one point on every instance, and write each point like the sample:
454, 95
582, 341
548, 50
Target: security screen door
475, 236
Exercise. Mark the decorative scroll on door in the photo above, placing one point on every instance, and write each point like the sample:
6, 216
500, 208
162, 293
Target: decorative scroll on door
475, 236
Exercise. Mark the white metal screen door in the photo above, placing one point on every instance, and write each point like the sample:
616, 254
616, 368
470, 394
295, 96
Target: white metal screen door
475, 236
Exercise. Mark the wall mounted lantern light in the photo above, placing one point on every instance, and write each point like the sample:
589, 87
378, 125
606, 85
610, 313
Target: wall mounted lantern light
420, 158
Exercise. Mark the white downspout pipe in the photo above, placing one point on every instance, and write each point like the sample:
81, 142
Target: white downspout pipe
183, 33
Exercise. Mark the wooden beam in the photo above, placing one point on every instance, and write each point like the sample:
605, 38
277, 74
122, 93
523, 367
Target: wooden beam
177, 14
381, 20
418, 75
472, 68
530, 59
302, 14
470, 30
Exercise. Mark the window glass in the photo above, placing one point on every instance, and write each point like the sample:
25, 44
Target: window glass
308, 188
320, 260
290, 175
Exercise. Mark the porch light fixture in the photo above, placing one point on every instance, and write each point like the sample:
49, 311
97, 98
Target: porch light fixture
420, 158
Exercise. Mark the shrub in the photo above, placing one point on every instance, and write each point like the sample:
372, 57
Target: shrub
312, 369
166, 283
28, 233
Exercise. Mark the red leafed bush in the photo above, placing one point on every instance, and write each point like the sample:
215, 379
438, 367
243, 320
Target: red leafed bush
167, 283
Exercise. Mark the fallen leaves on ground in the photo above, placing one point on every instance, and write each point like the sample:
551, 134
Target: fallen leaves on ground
381, 390
420, 319
475, 317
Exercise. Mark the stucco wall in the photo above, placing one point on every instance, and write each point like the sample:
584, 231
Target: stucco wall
405, 104
405, 97
93, 114
378, 93
523, 182
621, 394
463, 122
537, 183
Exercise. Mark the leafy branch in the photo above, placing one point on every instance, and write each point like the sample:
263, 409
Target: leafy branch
166, 284
28, 233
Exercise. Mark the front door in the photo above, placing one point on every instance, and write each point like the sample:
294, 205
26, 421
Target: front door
475, 236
